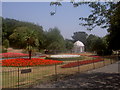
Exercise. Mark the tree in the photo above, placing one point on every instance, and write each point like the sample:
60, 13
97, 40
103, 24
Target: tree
89, 42
100, 14
69, 44
5, 44
103, 14
107, 16
27, 38
56, 4
99, 45
9, 25
81, 36
114, 29
54, 40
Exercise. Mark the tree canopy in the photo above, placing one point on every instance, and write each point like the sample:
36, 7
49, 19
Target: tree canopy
28, 35
105, 15
81, 36
114, 29
55, 40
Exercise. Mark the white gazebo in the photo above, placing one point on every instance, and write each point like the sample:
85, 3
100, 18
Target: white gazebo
78, 47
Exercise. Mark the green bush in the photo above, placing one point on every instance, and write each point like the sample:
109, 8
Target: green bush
6, 43
4, 50
104, 52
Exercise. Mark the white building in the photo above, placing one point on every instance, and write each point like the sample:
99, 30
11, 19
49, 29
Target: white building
78, 47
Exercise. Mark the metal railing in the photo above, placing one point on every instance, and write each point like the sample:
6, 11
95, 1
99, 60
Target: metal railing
24, 77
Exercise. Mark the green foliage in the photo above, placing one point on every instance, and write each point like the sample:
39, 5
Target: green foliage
55, 3
69, 44
99, 45
54, 40
25, 37
105, 15
100, 14
114, 29
31, 36
4, 50
89, 42
6, 43
16, 38
9, 25
81, 36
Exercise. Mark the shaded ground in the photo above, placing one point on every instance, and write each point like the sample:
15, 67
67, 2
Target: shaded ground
112, 68
105, 77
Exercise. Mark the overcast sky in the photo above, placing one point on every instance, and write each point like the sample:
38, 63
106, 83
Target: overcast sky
66, 18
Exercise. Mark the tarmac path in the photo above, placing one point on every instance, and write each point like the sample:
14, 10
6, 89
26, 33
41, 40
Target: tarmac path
107, 77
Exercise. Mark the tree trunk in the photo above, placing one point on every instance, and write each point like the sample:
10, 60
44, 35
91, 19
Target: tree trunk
30, 54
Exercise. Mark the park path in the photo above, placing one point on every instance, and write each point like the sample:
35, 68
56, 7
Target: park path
107, 77
112, 68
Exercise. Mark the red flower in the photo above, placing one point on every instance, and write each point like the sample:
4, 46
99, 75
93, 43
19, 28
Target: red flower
27, 62
11, 54
74, 64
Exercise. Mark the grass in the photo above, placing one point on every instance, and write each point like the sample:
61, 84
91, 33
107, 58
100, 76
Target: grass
41, 74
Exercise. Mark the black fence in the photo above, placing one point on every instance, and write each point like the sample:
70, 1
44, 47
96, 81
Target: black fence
24, 77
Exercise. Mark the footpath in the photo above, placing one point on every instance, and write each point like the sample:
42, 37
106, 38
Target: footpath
112, 68
107, 77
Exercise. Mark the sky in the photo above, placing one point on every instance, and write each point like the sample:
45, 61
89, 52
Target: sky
66, 17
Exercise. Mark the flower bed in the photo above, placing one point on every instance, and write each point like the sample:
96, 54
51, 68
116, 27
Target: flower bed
94, 56
42, 56
26, 62
64, 57
74, 64
11, 54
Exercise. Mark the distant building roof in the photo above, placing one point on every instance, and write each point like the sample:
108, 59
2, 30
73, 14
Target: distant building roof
78, 43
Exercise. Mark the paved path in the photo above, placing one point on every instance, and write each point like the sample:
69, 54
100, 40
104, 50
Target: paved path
112, 68
107, 77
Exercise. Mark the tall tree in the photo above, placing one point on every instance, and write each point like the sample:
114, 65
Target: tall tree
81, 36
69, 44
89, 42
55, 40
5, 44
9, 25
100, 13
103, 14
27, 38
114, 29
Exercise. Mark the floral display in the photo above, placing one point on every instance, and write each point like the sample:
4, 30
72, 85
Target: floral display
11, 54
74, 64
42, 56
94, 56
64, 56
26, 62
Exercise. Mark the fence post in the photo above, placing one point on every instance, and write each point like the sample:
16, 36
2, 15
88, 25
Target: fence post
103, 61
93, 64
111, 61
55, 72
18, 77
78, 66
